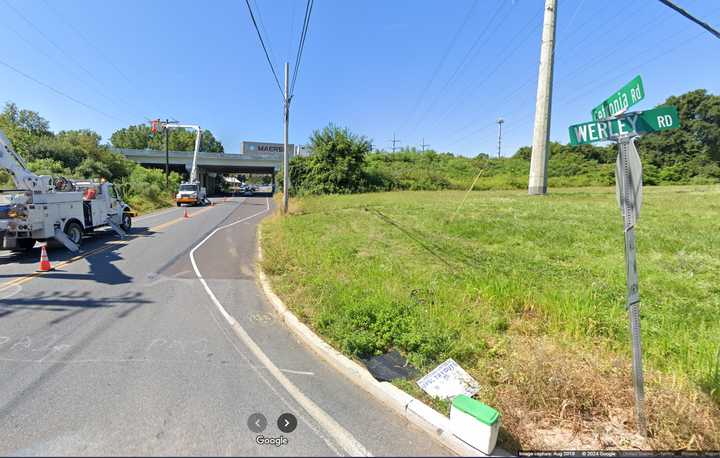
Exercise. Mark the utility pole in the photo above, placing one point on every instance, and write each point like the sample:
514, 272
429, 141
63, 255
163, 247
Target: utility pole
167, 155
500, 122
286, 175
394, 141
423, 144
537, 184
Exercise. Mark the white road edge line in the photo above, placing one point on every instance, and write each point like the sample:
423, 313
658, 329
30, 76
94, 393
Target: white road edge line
333, 428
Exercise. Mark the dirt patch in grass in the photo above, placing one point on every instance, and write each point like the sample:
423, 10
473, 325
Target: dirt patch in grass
557, 397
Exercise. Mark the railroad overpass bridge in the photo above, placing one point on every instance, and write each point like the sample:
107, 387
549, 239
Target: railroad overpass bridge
258, 158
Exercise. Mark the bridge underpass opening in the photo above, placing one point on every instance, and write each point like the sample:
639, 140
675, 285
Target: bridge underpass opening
263, 182
252, 163
211, 177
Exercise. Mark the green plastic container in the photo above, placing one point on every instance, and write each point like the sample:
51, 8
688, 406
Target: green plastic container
482, 412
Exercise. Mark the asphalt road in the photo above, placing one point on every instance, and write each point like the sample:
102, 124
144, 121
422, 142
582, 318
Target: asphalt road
122, 351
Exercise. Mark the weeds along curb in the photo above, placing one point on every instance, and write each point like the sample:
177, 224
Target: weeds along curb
414, 410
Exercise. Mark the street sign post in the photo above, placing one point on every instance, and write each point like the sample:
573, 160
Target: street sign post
627, 96
611, 122
633, 124
629, 188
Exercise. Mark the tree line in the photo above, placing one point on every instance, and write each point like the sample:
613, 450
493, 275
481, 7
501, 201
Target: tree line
81, 154
343, 162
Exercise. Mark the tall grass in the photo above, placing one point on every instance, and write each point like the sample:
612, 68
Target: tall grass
391, 270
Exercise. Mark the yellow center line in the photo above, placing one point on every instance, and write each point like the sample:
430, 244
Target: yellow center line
108, 245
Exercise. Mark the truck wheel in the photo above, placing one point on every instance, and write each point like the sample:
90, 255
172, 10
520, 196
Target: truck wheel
74, 231
126, 222
178, 203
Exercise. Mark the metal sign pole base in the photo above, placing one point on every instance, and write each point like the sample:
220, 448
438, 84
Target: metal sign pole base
629, 200
638, 380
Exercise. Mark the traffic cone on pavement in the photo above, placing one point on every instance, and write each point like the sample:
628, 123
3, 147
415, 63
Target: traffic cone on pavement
44, 261
186, 215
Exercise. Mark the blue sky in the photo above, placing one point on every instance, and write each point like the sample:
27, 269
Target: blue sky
375, 66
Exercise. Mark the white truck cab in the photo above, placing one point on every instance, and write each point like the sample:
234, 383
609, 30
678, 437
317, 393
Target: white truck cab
191, 193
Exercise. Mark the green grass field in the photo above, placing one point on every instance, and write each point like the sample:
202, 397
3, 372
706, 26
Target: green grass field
525, 292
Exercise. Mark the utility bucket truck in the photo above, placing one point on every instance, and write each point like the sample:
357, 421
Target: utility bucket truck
41, 207
190, 192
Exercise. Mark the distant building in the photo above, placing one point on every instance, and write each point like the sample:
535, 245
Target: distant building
302, 150
263, 148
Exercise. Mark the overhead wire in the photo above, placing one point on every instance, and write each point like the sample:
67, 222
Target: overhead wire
533, 77
466, 58
59, 92
473, 86
574, 14
292, 30
88, 42
301, 44
264, 31
596, 59
91, 77
594, 84
262, 42
436, 71
697, 21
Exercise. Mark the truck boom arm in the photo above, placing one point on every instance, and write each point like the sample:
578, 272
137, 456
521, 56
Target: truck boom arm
198, 137
23, 178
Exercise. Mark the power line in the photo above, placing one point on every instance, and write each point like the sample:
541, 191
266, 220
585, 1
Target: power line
697, 21
62, 51
87, 41
563, 76
592, 85
272, 68
631, 12
301, 44
507, 55
468, 15
58, 61
292, 30
464, 61
577, 9
263, 29
59, 92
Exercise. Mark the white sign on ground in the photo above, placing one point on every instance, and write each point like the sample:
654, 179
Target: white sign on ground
448, 380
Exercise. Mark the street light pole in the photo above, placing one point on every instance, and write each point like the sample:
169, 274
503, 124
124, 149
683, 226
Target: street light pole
167, 155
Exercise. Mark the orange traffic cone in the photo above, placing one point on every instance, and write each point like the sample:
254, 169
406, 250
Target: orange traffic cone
186, 215
44, 261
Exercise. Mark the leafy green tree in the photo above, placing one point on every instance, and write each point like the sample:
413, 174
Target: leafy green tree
70, 156
141, 137
336, 165
90, 168
48, 167
23, 127
28, 120
692, 152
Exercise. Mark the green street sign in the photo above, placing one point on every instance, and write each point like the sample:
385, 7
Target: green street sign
627, 96
636, 123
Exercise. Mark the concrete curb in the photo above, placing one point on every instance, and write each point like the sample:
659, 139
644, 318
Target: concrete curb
414, 410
